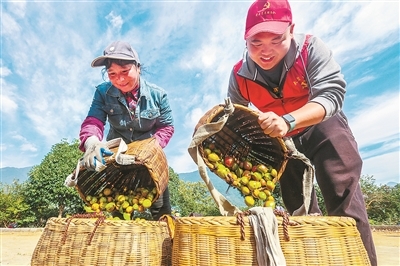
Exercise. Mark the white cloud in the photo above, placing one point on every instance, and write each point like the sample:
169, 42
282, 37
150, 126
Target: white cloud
8, 106
360, 81
115, 21
28, 147
384, 168
4, 71
377, 119
8, 24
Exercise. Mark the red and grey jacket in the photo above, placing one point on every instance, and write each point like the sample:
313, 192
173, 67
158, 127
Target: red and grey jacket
327, 84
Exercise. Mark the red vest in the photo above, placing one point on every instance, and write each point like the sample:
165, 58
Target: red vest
295, 89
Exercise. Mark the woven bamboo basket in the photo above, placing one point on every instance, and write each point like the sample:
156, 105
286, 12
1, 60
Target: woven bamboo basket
86, 241
312, 240
150, 170
242, 137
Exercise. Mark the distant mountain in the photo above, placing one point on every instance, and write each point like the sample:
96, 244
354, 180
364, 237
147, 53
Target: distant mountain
232, 195
391, 184
9, 174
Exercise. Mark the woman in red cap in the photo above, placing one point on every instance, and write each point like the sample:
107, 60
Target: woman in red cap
299, 90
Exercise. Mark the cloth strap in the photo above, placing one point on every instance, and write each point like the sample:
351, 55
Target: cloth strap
265, 227
308, 177
202, 133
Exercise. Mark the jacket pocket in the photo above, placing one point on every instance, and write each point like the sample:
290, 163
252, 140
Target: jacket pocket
150, 114
113, 109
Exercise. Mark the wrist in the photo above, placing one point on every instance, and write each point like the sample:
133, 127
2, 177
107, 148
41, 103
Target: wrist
290, 121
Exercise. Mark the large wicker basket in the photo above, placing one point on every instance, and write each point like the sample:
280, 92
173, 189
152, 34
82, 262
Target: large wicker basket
313, 240
85, 241
150, 170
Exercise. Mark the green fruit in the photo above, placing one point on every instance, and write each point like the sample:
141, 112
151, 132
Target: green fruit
103, 199
127, 216
88, 209
146, 203
252, 185
274, 173
256, 193
244, 180
249, 200
270, 204
207, 152
235, 166
267, 177
239, 172
110, 206
245, 190
125, 204
262, 196
270, 185
213, 157
256, 176
262, 168
222, 171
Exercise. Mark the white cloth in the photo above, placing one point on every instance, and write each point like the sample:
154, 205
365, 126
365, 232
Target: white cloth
265, 227
120, 158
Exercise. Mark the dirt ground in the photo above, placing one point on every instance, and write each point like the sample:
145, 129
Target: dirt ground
17, 246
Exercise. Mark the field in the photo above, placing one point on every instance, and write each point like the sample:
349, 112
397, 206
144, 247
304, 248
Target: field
17, 246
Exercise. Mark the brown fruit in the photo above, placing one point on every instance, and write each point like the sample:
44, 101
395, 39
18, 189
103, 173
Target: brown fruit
211, 146
107, 192
247, 165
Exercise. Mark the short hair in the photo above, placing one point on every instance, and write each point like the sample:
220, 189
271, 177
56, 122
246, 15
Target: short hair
121, 62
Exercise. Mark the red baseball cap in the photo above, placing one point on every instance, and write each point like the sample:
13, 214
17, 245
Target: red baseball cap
268, 16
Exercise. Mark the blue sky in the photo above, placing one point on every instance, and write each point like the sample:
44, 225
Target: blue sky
188, 48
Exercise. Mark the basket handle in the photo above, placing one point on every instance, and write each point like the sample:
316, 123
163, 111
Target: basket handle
202, 133
100, 219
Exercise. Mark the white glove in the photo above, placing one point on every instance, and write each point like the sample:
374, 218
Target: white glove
94, 152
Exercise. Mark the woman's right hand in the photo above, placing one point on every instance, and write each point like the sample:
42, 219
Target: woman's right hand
94, 152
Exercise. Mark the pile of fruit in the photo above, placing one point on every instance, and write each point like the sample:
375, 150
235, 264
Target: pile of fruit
118, 205
255, 181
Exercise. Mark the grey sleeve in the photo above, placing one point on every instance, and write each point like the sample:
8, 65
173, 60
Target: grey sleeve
234, 91
328, 86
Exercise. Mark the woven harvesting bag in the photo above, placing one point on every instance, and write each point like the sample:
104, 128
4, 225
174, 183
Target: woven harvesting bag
227, 240
233, 131
139, 164
88, 241
242, 136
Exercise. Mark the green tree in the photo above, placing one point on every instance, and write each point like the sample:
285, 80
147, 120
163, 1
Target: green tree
45, 191
13, 207
188, 197
382, 202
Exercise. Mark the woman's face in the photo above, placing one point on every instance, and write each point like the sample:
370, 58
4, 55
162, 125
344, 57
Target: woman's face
125, 78
268, 49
